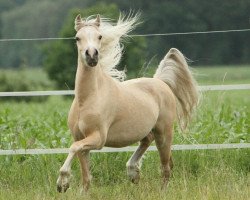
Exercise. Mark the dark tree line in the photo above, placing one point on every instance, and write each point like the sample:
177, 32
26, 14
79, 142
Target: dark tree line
25, 18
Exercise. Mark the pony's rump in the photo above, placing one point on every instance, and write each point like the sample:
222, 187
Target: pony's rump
174, 71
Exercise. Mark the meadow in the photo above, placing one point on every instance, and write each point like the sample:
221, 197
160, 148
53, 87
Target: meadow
222, 117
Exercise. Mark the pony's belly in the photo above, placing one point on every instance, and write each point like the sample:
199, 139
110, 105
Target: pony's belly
117, 140
124, 134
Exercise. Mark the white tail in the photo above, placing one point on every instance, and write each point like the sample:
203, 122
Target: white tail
174, 71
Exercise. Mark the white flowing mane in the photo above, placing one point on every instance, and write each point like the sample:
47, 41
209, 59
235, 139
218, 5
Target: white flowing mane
111, 47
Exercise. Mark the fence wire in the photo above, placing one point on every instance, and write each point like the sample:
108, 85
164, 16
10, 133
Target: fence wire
135, 35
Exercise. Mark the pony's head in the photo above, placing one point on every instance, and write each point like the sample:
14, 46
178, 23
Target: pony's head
99, 41
88, 39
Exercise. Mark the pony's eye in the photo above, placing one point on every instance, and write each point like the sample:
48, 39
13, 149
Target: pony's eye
100, 37
77, 39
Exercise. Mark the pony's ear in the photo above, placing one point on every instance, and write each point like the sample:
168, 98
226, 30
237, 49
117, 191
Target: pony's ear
78, 22
97, 20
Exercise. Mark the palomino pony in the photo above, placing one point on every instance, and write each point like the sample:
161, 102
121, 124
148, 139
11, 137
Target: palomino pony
106, 112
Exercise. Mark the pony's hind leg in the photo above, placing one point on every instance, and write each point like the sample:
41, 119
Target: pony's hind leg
134, 163
163, 140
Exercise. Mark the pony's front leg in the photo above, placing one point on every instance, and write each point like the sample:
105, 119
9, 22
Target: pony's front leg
93, 141
84, 162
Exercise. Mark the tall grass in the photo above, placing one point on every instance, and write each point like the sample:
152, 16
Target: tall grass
220, 174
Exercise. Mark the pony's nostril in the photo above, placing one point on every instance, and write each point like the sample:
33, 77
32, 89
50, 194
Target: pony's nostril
96, 53
91, 53
87, 53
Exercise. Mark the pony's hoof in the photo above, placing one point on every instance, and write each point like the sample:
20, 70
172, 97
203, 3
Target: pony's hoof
136, 179
84, 191
134, 174
63, 182
62, 188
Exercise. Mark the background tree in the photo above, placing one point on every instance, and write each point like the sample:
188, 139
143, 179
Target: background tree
25, 18
31, 19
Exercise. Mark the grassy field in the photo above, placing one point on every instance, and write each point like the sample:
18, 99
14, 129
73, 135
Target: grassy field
223, 117
215, 74
223, 75
197, 175
34, 74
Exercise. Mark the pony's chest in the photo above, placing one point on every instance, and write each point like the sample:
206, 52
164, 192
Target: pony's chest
83, 118
85, 124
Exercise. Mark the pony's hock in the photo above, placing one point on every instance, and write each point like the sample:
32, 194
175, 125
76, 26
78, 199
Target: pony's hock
106, 112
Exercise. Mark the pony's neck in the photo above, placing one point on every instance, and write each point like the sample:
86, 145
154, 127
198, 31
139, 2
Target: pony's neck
88, 80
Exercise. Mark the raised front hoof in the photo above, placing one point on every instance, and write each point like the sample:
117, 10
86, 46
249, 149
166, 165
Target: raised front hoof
133, 174
136, 179
63, 182
62, 188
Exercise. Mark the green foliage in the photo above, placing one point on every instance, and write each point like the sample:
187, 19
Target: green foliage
60, 63
221, 118
34, 124
25, 18
61, 56
26, 22
23, 80
134, 56
187, 16
32, 19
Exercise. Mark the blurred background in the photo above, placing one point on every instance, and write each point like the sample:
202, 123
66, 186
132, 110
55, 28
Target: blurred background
45, 65
223, 117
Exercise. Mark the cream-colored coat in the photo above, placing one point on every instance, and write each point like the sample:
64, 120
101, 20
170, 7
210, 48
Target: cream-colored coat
123, 112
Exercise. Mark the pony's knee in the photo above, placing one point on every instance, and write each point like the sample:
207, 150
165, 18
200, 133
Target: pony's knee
75, 148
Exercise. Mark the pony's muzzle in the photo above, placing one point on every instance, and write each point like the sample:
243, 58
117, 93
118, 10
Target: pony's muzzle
91, 56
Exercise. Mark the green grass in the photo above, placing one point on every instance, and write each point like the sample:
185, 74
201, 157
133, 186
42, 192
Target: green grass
223, 75
197, 175
33, 74
212, 75
223, 117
